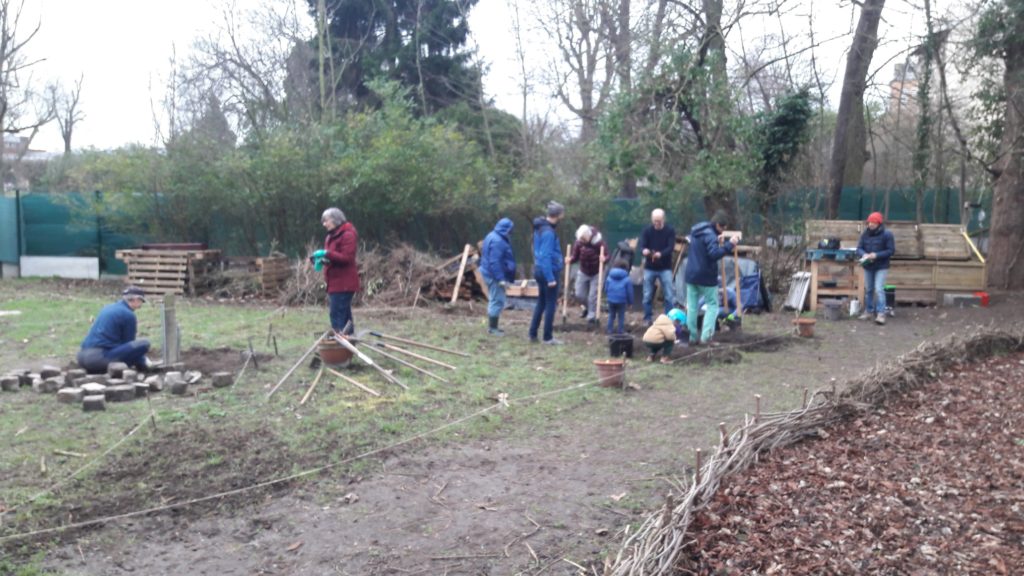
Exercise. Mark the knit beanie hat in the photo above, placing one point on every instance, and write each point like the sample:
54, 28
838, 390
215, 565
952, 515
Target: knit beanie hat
875, 217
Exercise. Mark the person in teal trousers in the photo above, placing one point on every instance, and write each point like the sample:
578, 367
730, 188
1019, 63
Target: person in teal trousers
707, 247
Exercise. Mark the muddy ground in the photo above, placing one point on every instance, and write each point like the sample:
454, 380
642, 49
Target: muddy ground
524, 502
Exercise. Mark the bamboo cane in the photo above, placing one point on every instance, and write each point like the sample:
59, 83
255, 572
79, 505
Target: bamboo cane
565, 289
419, 344
289, 373
600, 284
366, 389
736, 273
415, 355
312, 386
404, 363
359, 353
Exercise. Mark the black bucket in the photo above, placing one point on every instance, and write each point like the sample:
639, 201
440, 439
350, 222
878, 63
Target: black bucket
620, 345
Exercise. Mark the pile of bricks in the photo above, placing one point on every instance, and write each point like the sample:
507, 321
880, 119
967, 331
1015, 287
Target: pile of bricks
119, 384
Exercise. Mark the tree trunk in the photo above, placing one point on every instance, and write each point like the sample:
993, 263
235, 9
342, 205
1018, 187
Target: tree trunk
718, 135
848, 153
624, 64
1006, 244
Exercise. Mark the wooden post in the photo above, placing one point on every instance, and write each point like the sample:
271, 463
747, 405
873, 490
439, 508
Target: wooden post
725, 293
757, 414
169, 316
462, 270
736, 273
565, 288
600, 284
696, 476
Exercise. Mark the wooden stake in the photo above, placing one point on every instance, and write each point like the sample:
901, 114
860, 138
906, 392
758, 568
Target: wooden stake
600, 285
805, 398
404, 363
66, 453
724, 434
462, 270
353, 382
725, 293
670, 506
696, 476
565, 288
415, 355
312, 386
757, 400
736, 273
292, 369
419, 344
252, 354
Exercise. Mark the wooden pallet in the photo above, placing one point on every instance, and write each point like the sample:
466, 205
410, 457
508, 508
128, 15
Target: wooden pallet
274, 272
167, 271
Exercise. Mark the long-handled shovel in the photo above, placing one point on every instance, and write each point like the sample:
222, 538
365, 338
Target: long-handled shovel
565, 290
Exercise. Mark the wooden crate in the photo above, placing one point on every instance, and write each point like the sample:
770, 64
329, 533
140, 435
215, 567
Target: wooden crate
167, 271
925, 281
274, 272
944, 242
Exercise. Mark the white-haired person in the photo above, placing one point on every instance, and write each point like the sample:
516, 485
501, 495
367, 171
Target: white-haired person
341, 272
657, 243
111, 337
587, 251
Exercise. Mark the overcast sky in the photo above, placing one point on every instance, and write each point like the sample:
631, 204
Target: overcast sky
122, 48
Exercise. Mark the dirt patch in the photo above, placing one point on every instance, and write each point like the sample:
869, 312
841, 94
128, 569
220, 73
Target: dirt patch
927, 482
210, 360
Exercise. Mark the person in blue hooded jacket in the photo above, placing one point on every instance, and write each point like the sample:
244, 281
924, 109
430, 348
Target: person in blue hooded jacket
707, 247
498, 266
875, 248
547, 266
618, 287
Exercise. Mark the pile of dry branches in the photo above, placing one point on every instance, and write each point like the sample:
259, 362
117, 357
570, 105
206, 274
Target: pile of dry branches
657, 545
389, 277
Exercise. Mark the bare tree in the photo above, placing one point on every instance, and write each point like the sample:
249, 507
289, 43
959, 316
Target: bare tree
848, 151
65, 103
22, 109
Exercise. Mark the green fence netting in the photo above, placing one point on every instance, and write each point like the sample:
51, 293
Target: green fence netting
9, 249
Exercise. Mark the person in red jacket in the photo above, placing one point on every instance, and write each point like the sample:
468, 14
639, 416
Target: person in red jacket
341, 272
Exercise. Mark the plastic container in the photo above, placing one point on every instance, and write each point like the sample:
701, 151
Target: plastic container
984, 298
611, 372
620, 345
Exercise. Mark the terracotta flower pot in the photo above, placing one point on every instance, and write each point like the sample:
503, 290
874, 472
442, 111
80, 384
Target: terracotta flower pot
805, 327
611, 372
333, 354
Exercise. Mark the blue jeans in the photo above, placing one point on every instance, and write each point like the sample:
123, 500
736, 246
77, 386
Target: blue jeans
874, 290
547, 302
96, 360
495, 297
665, 277
617, 311
341, 311
694, 293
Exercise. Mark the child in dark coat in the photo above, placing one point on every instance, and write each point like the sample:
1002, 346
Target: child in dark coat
619, 289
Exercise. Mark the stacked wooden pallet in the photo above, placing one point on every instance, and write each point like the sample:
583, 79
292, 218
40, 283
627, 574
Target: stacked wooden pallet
274, 272
168, 271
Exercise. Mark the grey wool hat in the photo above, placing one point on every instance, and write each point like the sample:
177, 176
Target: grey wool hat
555, 209
134, 292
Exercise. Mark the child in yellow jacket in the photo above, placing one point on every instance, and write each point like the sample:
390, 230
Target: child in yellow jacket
661, 336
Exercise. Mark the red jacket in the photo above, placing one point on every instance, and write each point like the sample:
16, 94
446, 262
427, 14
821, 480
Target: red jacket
341, 271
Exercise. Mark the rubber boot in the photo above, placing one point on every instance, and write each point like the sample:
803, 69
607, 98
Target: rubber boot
493, 329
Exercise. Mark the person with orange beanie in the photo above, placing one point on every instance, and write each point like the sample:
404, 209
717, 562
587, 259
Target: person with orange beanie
875, 247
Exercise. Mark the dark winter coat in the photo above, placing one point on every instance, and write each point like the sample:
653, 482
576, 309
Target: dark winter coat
704, 253
661, 241
881, 242
340, 270
618, 287
498, 262
588, 254
115, 325
547, 252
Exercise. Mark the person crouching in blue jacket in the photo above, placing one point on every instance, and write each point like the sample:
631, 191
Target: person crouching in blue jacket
875, 247
547, 266
619, 289
498, 266
112, 336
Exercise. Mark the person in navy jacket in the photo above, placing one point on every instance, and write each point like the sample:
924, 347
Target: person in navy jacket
547, 268
498, 266
112, 336
707, 247
875, 247
657, 243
